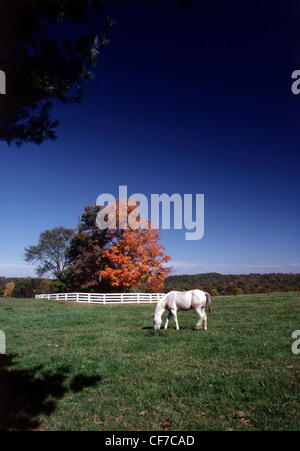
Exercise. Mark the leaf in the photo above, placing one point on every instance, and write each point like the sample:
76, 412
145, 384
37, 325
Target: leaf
242, 416
166, 424
96, 419
119, 419
244, 422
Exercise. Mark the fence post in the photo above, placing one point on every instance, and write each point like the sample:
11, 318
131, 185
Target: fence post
104, 298
77, 297
89, 298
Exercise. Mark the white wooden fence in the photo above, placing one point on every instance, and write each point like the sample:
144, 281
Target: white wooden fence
105, 298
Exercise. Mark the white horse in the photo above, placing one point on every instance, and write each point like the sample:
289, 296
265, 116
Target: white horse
182, 300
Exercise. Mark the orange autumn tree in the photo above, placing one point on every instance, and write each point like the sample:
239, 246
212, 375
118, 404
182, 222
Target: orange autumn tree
135, 256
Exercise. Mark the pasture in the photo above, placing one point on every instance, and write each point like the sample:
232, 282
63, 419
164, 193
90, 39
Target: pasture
72, 366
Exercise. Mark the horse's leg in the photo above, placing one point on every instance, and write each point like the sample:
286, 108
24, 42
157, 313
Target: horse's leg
168, 319
202, 314
174, 313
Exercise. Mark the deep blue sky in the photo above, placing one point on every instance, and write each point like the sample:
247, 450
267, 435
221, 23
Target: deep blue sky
184, 101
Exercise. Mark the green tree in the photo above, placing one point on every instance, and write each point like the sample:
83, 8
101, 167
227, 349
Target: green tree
25, 288
44, 286
85, 253
58, 287
41, 66
2, 284
50, 252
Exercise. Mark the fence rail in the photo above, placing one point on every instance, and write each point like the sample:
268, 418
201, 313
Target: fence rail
105, 298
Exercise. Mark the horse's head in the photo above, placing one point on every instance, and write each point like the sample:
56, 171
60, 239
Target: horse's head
156, 321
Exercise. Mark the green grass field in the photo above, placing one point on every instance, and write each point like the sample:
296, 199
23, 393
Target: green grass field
75, 366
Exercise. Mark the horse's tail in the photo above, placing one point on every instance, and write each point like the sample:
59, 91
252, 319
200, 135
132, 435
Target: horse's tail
208, 299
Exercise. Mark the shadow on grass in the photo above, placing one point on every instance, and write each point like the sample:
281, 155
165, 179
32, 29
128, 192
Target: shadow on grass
172, 328
24, 395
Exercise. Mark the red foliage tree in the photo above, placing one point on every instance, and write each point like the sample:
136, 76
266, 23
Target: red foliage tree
135, 256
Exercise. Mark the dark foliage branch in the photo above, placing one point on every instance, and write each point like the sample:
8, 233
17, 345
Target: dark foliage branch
42, 66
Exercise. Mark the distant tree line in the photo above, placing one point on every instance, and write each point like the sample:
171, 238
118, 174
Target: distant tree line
214, 283
230, 284
28, 287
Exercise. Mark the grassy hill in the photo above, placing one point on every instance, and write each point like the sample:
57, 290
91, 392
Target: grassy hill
91, 367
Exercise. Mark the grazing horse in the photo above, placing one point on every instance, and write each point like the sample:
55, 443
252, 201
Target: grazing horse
182, 300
